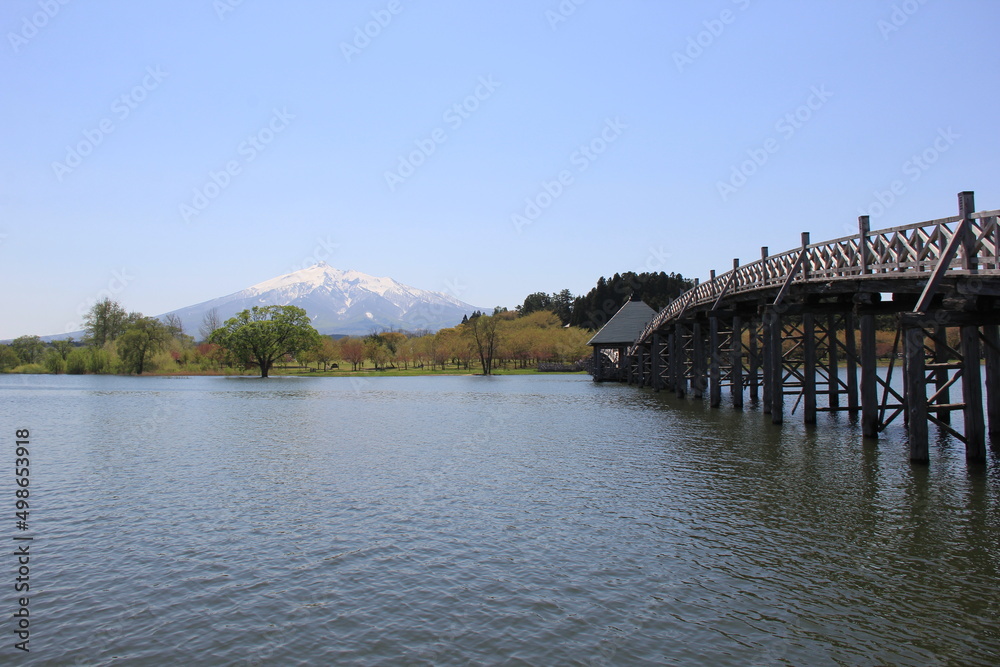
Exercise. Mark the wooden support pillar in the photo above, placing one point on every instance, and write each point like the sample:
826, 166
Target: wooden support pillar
656, 362
833, 369
916, 393
972, 395
850, 329
869, 370
765, 365
869, 375
991, 333
597, 364
941, 374
671, 353
736, 361
774, 374
809, 368
753, 361
680, 381
715, 371
697, 361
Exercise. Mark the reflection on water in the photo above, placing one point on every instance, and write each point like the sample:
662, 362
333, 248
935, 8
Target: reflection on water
456, 520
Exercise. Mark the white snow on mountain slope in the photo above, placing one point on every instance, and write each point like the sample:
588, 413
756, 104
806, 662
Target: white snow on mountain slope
340, 302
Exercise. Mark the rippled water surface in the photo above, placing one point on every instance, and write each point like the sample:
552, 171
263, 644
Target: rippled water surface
528, 520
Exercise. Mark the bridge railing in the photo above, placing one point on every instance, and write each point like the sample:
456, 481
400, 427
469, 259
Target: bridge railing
968, 243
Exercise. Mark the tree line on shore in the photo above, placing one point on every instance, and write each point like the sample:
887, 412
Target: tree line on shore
120, 342
546, 331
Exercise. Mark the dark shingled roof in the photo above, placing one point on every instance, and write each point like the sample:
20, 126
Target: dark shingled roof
626, 324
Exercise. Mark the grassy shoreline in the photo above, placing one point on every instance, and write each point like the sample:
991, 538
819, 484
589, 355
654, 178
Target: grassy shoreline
296, 372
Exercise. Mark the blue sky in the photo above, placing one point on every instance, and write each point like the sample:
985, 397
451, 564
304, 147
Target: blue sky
171, 152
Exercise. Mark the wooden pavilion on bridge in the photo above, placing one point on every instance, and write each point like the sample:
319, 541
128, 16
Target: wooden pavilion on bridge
614, 339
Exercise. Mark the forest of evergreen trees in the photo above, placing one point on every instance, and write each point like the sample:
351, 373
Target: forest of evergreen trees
597, 306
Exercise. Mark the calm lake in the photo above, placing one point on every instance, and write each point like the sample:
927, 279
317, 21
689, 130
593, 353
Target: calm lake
520, 520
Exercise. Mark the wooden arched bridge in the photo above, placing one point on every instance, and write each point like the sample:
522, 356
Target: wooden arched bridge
802, 323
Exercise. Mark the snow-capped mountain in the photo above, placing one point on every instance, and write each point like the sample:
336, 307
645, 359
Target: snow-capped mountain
339, 302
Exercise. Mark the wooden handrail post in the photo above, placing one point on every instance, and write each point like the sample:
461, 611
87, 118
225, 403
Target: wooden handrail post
805, 260
966, 207
864, 228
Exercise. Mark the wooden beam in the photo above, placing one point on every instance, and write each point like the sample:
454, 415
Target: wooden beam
736, 362
715, 372
916, 394
972, 396
775, 374
697, 361
799, 262
991, 334
850, 331
809, 368
869, 378
930, 289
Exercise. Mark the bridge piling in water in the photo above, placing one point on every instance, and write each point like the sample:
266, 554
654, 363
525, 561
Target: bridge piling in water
803, 323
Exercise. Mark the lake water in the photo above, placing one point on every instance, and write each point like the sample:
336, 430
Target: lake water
520, 520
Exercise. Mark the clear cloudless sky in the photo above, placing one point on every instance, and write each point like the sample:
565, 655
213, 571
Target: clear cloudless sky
713, 128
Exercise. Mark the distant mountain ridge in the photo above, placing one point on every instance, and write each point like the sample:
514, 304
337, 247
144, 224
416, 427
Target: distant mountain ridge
339, 302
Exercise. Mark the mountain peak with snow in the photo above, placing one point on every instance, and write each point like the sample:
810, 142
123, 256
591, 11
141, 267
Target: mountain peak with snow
340, 302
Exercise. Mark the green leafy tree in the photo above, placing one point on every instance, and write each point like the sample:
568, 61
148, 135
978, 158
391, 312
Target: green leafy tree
8, 358
562, 305
485, 334
353, 350
264, 334
76, 361
327, 351
535, 302
53, 361
28, 348
143, 337
63, 347
105, 321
